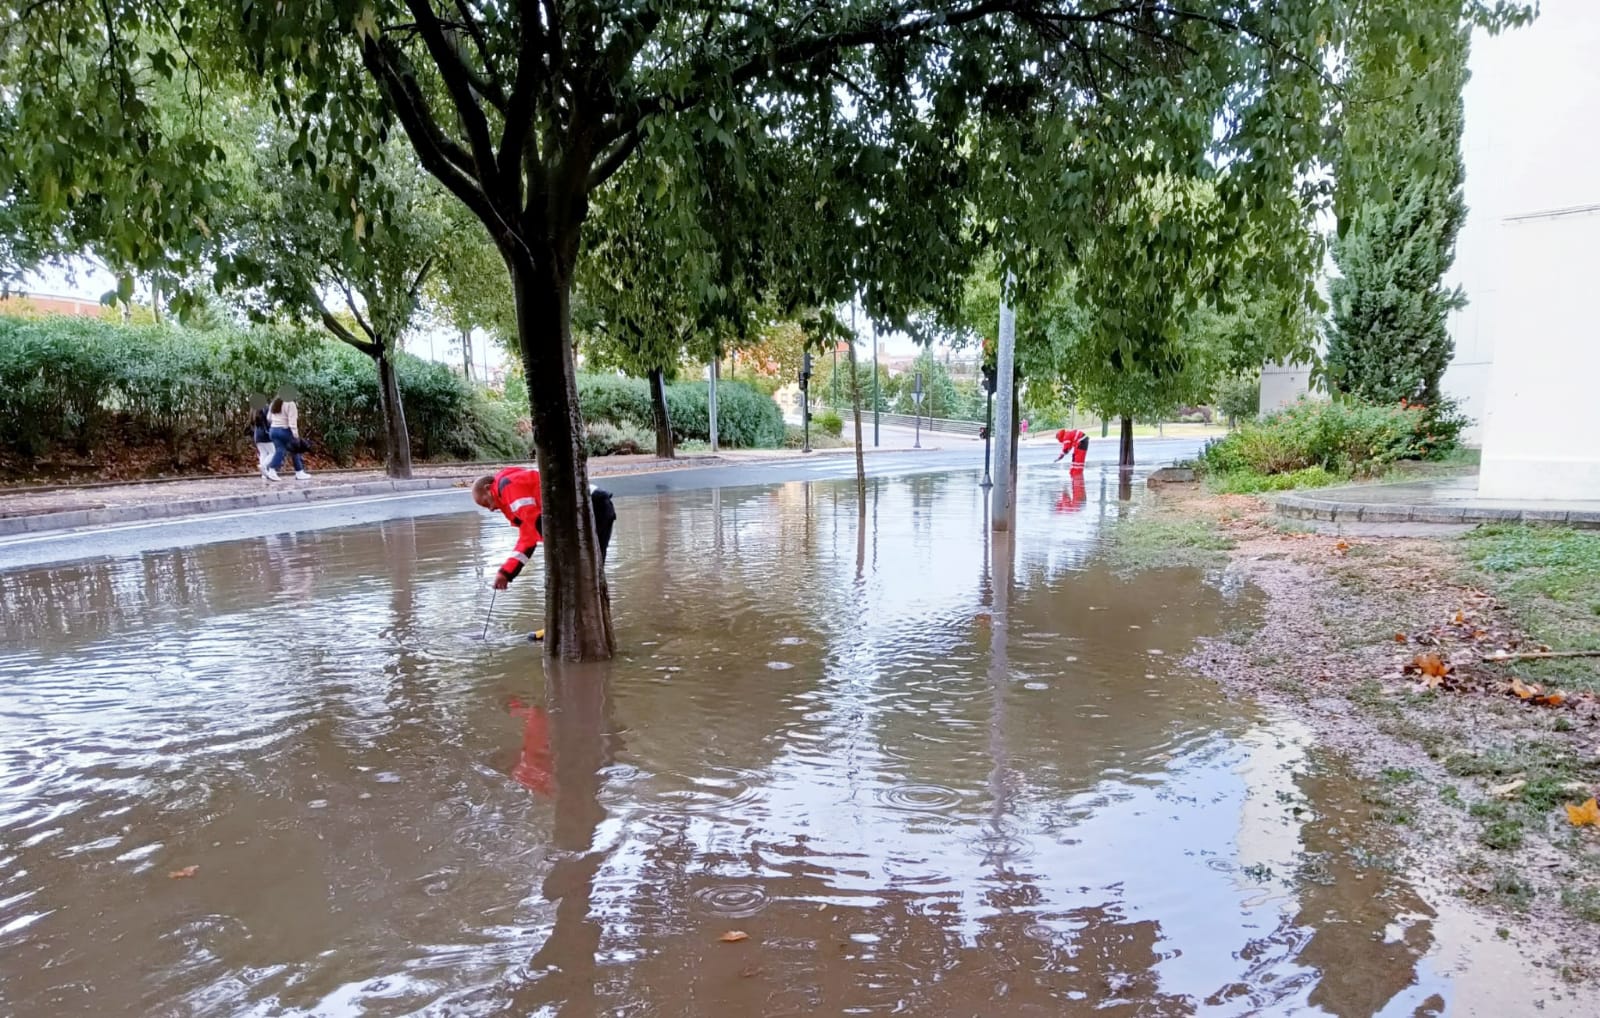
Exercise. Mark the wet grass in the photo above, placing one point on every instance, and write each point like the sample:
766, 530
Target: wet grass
1549, 577
1583, 902
1248, 482
1148, 541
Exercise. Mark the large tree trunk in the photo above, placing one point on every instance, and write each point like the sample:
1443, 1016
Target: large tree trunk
577, 603
1125, 455
466, 353
396, 439
658, 403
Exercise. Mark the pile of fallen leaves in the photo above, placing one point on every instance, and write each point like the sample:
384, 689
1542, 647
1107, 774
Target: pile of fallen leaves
1468, 651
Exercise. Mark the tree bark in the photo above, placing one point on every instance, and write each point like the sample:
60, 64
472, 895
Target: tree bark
577, 603
396, 439
466, 353
658, 403
1125, 454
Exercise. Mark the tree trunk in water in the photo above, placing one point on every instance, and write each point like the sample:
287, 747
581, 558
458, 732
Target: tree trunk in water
577, 603
396, 439
658, 402
1125, 456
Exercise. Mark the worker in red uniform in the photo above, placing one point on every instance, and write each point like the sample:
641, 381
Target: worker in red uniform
1075, 442
514, 492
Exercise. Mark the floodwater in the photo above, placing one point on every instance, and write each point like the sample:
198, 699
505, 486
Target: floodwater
922, 774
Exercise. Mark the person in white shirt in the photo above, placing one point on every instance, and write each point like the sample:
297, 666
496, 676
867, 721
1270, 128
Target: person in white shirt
284, 418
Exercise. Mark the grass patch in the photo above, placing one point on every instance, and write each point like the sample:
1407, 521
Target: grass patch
1583, 902
1514, 889
1144, 541
1249, 482
1550, 579
1502, 834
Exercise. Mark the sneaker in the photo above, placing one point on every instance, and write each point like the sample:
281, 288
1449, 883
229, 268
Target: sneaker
301, 475
272, 475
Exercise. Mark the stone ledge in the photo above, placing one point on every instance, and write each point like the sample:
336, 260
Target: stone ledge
1309, 505
74, 518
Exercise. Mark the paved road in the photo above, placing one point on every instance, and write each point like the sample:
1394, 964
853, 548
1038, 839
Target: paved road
136, 538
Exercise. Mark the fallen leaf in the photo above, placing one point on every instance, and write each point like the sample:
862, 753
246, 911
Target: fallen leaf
734, 936
1522, 690
1430, 665
183, 874
1509, 788
1342, 547
1399, 638
1587, 815
1551, 700
1460, 617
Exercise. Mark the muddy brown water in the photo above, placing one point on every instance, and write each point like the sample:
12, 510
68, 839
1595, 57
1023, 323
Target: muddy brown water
923, 774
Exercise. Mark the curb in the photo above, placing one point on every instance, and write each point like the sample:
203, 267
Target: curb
1307, 507
73, 518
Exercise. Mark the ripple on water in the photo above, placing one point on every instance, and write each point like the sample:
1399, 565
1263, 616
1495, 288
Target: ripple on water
725, 792
732, 901
919, 798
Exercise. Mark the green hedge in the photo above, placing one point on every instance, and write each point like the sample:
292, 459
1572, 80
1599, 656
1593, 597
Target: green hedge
1347, 438
745, 417
86, 394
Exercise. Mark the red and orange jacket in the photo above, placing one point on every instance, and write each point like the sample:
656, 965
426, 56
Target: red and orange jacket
516, 494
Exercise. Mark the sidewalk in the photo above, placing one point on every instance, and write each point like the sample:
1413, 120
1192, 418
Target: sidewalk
1444, 500
45, 508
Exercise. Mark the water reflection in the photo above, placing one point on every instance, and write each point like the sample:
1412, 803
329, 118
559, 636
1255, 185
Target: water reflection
926, 769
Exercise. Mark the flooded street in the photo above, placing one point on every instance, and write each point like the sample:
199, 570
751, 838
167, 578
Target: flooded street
923, 774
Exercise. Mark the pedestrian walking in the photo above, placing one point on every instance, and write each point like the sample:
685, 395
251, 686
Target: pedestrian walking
284, 419
261, 430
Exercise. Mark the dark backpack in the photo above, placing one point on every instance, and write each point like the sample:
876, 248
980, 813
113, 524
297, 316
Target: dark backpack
260, 425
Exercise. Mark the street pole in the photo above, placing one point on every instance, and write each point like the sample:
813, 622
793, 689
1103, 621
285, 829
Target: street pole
711, 397
805, 400
988, 434
916, 407
1006, 381
875, 417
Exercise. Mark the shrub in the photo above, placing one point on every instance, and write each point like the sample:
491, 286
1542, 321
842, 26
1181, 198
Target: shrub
1346, 438
1239, 399
745, 418
102, 396
603, 439
830, 422
1248, 482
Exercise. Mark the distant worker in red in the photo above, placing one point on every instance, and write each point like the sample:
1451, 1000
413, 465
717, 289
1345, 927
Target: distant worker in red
514, 492
1077, 443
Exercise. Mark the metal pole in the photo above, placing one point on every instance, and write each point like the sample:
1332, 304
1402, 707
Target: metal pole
875, 415
988, 437
711, 399
916, 406
1006, 381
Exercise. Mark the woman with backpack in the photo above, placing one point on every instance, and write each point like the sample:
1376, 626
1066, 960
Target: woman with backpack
284, 418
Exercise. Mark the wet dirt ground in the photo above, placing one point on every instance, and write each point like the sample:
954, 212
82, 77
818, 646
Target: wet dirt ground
921, 772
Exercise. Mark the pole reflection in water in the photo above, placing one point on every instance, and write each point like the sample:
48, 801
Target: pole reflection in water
923, 779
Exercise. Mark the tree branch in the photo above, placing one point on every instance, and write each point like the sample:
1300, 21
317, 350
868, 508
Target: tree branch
337, 327
476, 31
458, 82
519, 134
609, 163
422, 277
355, 310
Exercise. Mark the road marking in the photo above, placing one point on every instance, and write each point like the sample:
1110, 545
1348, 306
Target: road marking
118, 528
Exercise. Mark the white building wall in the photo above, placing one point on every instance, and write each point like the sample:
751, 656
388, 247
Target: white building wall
1282, 384
1528, 148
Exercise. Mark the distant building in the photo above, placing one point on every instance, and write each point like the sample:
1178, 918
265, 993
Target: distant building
31, 304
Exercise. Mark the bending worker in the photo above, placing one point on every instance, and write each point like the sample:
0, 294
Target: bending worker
514, 492
1075, 442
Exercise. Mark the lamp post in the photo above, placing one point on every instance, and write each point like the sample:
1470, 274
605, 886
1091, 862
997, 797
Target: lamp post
916, 409
805, 400
875, 420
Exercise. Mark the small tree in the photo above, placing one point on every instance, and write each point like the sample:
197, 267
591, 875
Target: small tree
294, 242
1402, 206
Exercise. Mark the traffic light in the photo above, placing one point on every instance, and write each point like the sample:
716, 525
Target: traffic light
988, 379
805, 370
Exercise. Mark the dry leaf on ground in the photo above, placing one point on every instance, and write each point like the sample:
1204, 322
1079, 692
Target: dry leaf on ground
734, 936
1509, 788
1399, 638
1587, 815
187, 871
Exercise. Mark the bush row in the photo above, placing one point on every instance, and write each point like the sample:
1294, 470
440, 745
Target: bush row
745, 418
87, 395
1345, 437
